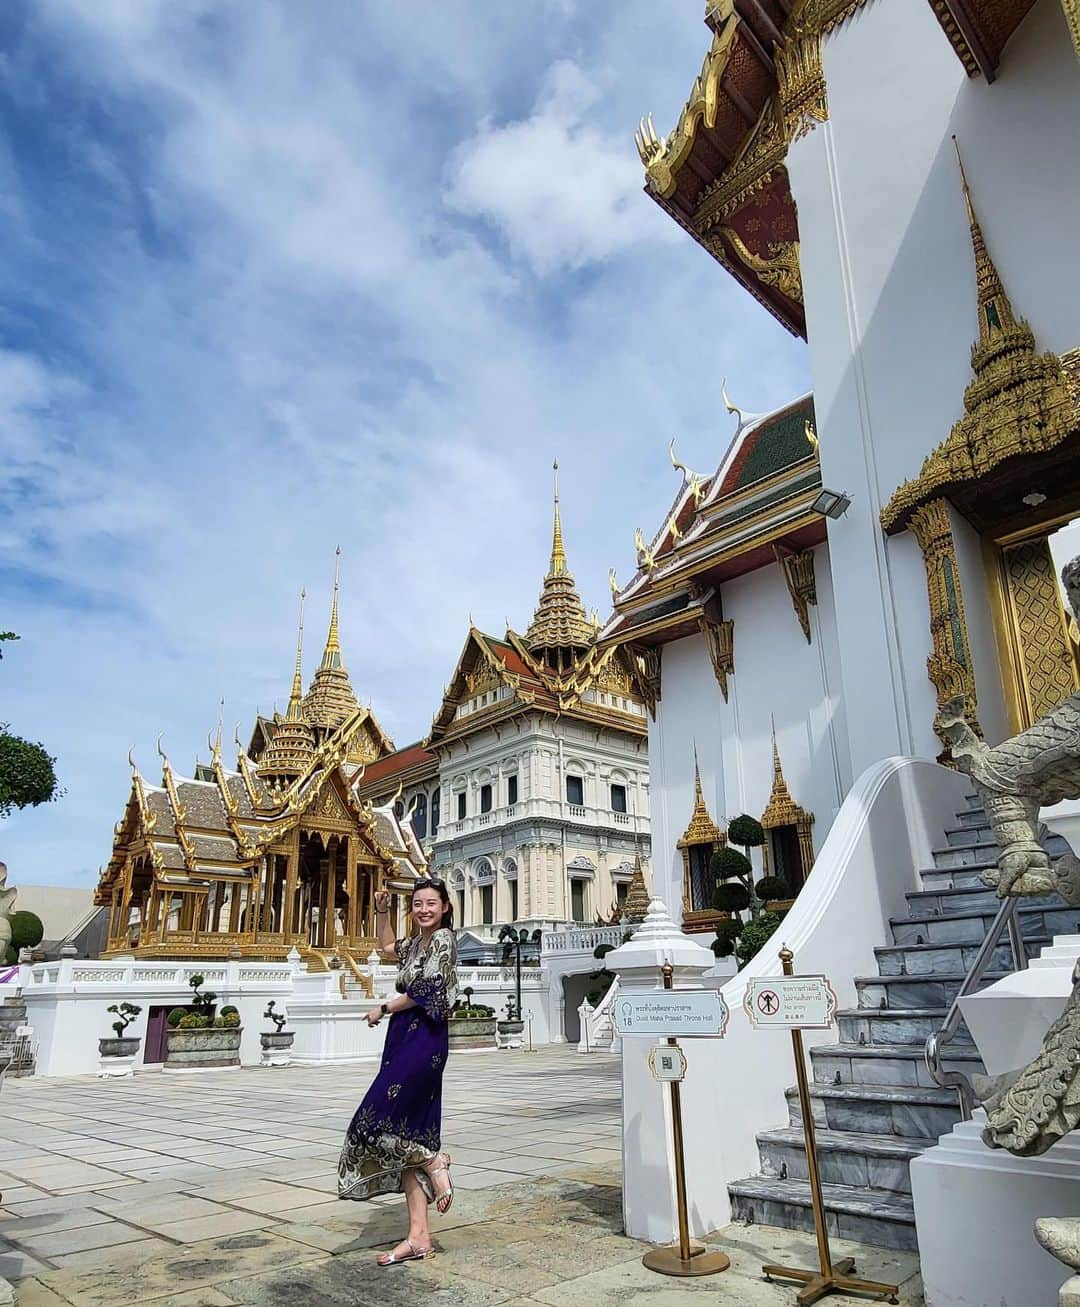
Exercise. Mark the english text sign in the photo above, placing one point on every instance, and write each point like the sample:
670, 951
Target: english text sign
671, 1012
790, 1003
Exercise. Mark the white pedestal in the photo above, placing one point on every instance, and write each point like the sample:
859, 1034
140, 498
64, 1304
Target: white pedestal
1008, 1019
975, 1211
111, 1067
649, 1209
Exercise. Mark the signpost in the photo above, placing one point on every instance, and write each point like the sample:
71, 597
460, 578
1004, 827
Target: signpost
799, 1003
671, 1012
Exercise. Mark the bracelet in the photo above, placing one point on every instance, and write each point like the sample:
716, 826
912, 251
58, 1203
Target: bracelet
385, 1009
382, 912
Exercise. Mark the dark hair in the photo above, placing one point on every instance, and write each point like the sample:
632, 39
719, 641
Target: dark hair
439, 886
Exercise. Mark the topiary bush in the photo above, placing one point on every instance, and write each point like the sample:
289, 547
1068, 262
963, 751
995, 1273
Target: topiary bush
731, 896
229, 1010
727, 932
746, 831
756, 934
230, 1020
193, 1021
176, 1016
26, 930
602, 950
727, 863
773, 887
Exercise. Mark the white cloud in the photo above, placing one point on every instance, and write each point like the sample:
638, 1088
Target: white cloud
243, 325
562, 192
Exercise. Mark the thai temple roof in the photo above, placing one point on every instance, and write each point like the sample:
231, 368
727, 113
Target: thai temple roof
723, 524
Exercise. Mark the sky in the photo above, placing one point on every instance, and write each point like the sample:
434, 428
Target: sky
281, 277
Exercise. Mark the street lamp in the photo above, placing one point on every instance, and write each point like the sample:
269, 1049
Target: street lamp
512, 938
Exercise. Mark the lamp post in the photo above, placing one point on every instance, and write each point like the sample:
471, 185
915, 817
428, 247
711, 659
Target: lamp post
512, 938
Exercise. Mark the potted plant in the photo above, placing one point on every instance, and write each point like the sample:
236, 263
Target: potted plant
198, 1040
118, 1052
510, 1029
276, 1043
472, 1025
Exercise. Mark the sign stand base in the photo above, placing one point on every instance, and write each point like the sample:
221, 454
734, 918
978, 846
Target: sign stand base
669, 1261
818, 1284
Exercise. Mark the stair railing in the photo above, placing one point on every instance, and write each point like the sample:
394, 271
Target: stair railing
1004, 922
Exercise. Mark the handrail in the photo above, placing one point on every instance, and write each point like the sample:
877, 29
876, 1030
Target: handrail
1005, 920
363, 978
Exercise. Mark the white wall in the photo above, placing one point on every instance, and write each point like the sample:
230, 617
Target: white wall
890, 296
777, 676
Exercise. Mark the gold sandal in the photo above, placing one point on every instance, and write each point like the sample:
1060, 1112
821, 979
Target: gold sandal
447, 1195
414, 1255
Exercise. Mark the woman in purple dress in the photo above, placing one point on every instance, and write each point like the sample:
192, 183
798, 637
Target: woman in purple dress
393, 1141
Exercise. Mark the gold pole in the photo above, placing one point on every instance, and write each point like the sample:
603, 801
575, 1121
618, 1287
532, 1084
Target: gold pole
689, 1258
829, 1278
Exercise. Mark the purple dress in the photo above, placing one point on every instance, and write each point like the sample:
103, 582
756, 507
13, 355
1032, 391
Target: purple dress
398, 1125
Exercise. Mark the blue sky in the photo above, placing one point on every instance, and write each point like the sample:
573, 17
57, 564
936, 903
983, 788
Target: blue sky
278, 277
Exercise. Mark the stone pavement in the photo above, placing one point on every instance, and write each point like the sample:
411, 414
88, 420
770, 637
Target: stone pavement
218, 1188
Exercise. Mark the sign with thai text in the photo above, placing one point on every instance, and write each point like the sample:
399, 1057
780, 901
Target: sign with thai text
671, 1012
790, 1002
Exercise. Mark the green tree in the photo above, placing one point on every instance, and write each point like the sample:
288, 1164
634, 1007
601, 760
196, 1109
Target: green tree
27, 771
27, 930
748, 833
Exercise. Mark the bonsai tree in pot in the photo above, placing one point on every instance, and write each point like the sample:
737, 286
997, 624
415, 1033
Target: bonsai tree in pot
118, 1052
277, 1043
197, 1040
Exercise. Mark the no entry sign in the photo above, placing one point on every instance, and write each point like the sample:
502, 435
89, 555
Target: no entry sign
790, 1002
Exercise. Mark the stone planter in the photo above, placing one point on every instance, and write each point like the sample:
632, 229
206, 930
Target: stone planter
472, 1032
508, 1034
214, 1048
277, 1047
118, 1055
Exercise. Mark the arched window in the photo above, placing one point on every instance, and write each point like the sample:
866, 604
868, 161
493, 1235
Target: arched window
484, 875
419, 818
510, 872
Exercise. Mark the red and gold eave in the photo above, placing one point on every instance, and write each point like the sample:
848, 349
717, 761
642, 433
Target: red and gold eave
720, 174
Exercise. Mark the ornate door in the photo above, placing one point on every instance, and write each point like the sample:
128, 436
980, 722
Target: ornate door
1041, 668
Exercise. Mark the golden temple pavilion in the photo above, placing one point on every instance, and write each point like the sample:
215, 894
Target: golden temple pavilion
278, 853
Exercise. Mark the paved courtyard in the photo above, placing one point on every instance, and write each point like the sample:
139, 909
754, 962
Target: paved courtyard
219, 1188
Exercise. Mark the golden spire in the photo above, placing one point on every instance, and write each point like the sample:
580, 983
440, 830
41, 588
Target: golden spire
995, 311
293, 743
637, 896
330, 700
560, 628
558, 553
332, 653
295, 710
702, 829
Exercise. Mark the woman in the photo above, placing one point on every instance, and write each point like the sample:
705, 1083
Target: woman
392, 1144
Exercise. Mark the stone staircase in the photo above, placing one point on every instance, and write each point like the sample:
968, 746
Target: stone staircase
875, 1105
20, 1051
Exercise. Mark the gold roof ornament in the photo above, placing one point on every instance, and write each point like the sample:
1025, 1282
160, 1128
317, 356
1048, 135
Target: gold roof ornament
782, 810
1018, 401
637, 896
330, 699
293, 745
559, 625
702, 829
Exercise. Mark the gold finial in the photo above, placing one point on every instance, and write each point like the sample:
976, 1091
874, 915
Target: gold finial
613, 583
558, 552
220, 728
646, 558
731, 408
332, 653
297, 695
698, 796
161, 751
131, 761
811, 435
995, 311
673, 529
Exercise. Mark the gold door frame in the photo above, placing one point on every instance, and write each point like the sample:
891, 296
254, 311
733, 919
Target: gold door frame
1025, 701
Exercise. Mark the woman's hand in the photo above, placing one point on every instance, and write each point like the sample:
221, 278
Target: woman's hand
382, 901
374, 1016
